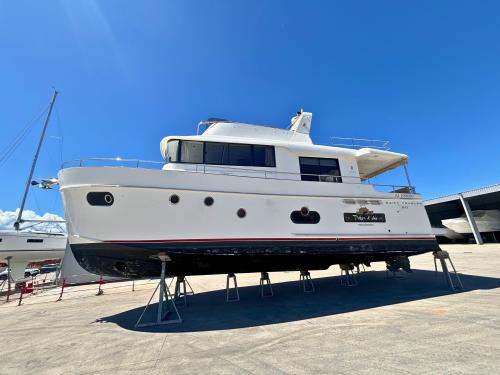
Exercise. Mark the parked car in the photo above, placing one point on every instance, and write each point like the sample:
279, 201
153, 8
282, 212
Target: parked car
4, 274
31, 272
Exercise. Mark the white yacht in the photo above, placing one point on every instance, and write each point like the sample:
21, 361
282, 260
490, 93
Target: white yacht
21, 248
242, 198
486, 221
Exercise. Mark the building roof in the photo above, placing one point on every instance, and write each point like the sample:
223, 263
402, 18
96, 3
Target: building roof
466, 194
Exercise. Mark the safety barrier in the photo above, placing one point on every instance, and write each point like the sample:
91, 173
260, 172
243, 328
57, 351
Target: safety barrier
46, 289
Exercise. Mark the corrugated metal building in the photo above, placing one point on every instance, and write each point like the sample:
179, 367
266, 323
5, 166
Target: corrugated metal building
455, 205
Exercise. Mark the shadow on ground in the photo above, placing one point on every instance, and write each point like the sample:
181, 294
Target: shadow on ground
208, 311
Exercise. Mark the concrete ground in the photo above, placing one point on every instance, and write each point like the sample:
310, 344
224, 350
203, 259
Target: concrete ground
411, 324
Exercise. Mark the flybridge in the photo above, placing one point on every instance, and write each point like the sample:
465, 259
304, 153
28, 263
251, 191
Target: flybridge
298, 132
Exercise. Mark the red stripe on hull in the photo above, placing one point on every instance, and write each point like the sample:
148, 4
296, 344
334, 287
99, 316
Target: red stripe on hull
277, 239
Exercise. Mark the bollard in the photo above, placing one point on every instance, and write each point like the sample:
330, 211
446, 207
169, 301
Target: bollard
62, 290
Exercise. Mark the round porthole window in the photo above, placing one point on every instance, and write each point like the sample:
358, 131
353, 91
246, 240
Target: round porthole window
174, 199
209, 201
241, 213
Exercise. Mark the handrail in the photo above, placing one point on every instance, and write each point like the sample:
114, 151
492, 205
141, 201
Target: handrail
242, 172
360, 142
118, 159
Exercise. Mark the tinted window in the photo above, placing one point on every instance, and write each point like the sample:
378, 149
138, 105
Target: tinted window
240, 154
191, 152
263, 156
216, 153
173, 151
34, 240
320, 169
309, 167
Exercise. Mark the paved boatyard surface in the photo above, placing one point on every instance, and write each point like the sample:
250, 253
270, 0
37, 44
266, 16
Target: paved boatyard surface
408, 325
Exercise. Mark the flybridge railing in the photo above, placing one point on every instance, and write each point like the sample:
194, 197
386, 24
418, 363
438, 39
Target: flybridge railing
360, 143
237, 172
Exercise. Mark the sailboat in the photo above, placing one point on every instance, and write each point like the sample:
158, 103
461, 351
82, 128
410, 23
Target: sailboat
18, 247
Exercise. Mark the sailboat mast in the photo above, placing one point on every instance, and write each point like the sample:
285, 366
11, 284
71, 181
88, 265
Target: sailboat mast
40, 141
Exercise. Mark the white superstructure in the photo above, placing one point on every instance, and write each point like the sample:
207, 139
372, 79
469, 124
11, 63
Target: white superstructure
242, 197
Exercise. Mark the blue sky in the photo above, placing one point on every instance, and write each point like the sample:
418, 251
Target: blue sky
423, 74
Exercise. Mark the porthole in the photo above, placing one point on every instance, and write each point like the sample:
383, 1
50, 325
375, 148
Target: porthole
100, 198
299, 217
174, 199
209, 201
241, 213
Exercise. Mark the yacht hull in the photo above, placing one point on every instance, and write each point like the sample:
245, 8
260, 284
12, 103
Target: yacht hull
140, 259
124, 238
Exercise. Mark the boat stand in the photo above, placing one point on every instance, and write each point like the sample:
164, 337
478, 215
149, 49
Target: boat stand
443, 256
358, 270
347, 276
265, 283
165, 299
181, 290
306, 282
235, 296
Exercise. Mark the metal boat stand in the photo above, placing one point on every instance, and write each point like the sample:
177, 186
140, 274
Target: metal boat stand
265, 282
181, 290
347, 276
306, 282
165, 299
358, 270
236, 295
443, 256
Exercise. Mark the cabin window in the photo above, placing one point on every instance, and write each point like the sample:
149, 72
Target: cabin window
34, 240
320, 169
173, 151
217, 153
240, 154
263, 156
191, 152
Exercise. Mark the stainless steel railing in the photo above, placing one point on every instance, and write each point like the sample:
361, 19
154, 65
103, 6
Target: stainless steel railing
126, 161
237, 172
360, 143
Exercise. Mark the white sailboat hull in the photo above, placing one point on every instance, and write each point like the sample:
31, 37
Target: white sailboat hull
486, 221
26, 247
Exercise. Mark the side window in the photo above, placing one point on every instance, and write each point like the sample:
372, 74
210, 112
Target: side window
240, 154
329, 170
320, 169
173, 151
263, 156
191, 152
216, 153
309, 168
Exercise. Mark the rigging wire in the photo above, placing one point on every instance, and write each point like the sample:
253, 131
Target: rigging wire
9, 150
